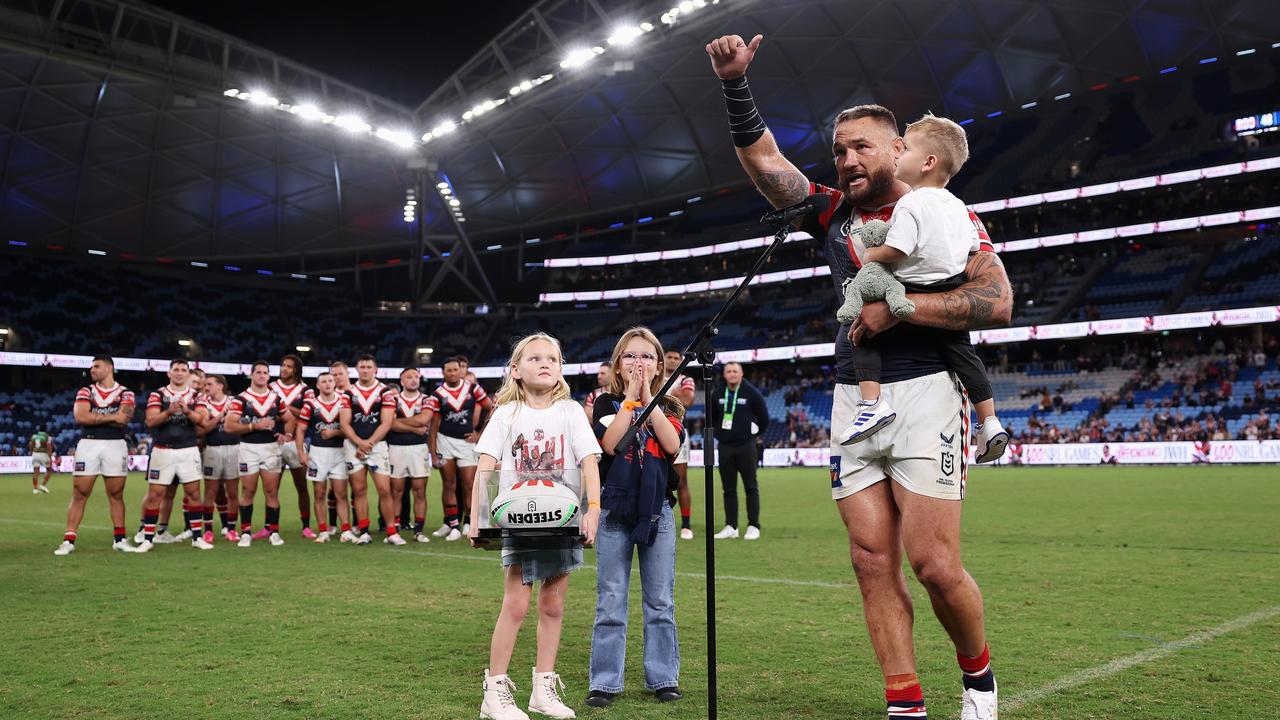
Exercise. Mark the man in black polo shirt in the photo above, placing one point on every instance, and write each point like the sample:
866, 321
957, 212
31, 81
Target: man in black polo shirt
739, 415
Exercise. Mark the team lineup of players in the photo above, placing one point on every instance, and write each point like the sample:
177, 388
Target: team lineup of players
333, 439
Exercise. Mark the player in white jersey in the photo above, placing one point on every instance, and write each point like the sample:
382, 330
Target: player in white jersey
174, 416
321, 417
365, 424
103, 410
294, 391
682, 390
409, 453
255, 416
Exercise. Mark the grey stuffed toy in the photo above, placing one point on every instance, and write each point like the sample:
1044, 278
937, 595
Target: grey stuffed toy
874, 281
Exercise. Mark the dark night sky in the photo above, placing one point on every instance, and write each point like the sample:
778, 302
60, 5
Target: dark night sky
402, 51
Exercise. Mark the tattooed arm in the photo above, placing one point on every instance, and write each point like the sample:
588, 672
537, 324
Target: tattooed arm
986, 300
780, 182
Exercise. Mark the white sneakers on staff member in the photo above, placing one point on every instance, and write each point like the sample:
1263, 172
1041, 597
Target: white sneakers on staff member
729, 532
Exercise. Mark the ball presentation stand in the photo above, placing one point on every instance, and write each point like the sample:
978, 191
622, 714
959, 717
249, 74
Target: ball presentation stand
700, 350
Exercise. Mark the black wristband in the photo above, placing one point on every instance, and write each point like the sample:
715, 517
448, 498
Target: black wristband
745, 124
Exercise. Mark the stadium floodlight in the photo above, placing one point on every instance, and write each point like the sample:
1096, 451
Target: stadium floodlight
326, 278
231, 92
580, 57
399, 138
427, 136
446, 191
494, 247
426, 350
686, 6
352, 123
184, 343
444, 128
197, 263
625, 35
262, 99
309, 112
646, 26
4, 331
302, 348
410, 203
442, 185
454, 202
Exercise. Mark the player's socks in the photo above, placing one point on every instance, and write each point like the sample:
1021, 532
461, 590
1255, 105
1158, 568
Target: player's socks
149, 518
976, 671
186, 518
362, 526
194, 516
419, 523
224, 516
161, 528
207, 513
333, 508
451, 516
322, 528
305, 517
118, 532
71, 537
246, 519
346, 527
273, 519
904, 700
685, 519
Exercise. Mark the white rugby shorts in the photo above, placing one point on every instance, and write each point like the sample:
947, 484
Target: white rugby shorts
377, 461
289, 456
923, 450
451, 448
260, 457
221, 462
169, 464
108, 458
326, 463
411, 461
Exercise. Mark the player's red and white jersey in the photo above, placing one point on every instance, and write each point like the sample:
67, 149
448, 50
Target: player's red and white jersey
457, 406
252, 406
319, 415
104, 402
218, 435
367, 404
1200, 452
177, 431
590, 402
407, 407
293, 395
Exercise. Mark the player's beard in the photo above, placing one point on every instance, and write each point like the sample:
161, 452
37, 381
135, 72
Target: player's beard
879, 184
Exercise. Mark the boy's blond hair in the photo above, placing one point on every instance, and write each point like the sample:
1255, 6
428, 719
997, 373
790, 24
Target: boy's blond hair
943, 139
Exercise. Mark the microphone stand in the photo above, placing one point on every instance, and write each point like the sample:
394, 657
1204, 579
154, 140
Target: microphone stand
700, 350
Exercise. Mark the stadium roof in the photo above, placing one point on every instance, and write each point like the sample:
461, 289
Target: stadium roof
117, 134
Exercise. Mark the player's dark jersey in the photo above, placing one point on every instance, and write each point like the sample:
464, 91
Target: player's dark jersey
907, 351
293, 396
457, 406
320, 415
178, 431
407, 407
218, 435
104, 402
253, 407
367, 405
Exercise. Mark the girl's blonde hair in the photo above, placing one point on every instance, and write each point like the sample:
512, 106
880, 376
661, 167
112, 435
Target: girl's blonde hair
618, 383
512, 390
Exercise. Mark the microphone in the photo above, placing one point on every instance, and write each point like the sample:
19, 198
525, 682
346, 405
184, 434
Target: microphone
817, 203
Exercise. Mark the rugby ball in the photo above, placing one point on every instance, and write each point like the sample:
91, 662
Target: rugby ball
535, 504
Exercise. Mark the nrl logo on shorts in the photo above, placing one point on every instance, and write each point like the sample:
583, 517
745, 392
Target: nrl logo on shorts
947, 464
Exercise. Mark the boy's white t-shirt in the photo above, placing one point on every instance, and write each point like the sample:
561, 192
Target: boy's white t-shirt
936, 231
538, 444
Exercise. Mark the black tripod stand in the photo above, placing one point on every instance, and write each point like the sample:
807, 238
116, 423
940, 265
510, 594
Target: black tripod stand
700, 350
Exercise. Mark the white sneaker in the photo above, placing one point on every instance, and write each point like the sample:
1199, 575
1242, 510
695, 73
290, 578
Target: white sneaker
728, 532
333, 532
183, 536
421, 538
246, 539
753, 533
200, 544
123, 546
871, 417
545, 698
165, 538
498, 702
364, 539
224, 532
322, 537
66, 548
992, 440
466, 528
444, 530
144, 546
454, 534
137, 539
686, 533
977, 705
35, 491
45, 489
276, 539
348, 536
394, 539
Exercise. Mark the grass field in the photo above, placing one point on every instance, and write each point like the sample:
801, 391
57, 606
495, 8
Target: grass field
1159, 588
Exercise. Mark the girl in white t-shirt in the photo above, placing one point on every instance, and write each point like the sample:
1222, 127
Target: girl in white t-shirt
536, 430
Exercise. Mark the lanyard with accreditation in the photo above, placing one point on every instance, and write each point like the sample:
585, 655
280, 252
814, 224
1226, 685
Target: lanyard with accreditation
730, 406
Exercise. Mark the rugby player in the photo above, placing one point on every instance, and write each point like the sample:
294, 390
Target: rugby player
321, 417
408, 450
102, 409
43, 457
220, 459
294, 391
682, 390
254, 416
457, 403
173, 415
365, 424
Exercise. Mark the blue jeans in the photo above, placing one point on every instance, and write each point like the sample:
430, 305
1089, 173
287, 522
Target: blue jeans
614, 550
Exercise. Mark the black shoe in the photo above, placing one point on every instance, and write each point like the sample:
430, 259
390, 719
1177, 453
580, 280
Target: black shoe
668, 694
600, 698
